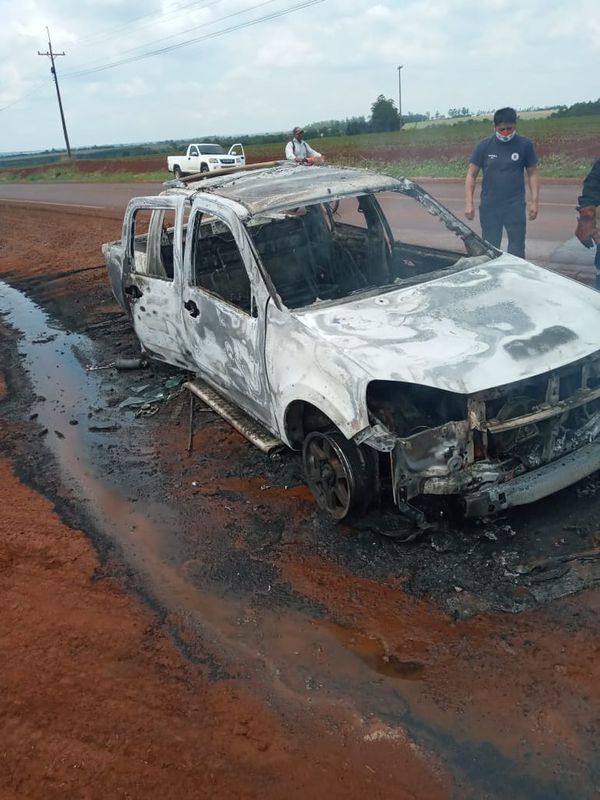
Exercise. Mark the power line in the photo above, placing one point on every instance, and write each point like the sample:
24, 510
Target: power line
151, 16
188, 30
25, 96
171, 48
231, 29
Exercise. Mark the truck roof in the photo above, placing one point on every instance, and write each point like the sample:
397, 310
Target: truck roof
289, 185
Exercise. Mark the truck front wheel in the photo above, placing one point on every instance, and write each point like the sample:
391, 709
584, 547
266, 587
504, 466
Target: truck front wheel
204, 168
339, 473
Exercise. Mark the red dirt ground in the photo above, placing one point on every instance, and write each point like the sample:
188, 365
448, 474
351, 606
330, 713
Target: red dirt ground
95, 700
97, 703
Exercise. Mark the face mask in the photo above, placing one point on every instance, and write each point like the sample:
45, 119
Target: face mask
502, 138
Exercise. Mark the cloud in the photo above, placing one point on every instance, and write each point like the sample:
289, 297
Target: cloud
330, 60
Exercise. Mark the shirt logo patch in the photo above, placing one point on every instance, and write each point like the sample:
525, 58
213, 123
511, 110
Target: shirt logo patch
515, 156
492, 155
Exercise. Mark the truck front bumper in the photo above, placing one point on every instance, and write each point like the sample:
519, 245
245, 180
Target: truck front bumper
534, 485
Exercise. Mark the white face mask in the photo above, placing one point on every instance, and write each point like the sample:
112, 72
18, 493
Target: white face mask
502, 138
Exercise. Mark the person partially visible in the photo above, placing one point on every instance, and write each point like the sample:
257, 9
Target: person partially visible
505, 158
300, 151
588, 225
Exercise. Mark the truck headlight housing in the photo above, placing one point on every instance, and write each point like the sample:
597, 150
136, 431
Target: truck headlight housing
406, 409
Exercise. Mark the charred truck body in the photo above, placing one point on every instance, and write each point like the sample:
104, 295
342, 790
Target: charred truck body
428, 363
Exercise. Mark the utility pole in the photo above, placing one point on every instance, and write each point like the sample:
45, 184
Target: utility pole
54, 75
400, 95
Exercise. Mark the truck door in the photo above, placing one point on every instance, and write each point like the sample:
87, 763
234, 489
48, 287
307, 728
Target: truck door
237, 150
192, 163
152, 274
225, 301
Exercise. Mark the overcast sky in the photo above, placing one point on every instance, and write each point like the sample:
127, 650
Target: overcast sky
328, 60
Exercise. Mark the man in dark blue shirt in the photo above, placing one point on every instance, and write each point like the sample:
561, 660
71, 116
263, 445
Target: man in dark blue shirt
505, 158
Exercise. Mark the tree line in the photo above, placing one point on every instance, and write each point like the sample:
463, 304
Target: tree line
578, 109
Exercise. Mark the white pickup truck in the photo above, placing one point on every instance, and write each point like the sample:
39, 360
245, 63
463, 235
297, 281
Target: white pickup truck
206, 158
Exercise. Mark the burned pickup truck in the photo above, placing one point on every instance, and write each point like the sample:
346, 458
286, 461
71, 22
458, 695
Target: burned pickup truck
351, 316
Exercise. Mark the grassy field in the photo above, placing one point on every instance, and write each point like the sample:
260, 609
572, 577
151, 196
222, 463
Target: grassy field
567, 147
65, 172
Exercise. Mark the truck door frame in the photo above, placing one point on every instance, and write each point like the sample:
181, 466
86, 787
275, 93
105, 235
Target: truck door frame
227, 340
154, 302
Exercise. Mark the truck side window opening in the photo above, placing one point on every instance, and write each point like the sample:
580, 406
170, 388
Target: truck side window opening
305, 260
217, 264
153, 230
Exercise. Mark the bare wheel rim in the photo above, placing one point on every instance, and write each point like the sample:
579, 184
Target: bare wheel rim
329, 474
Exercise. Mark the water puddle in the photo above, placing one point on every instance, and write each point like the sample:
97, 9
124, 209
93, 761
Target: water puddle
96, 448
102, 455
375, 654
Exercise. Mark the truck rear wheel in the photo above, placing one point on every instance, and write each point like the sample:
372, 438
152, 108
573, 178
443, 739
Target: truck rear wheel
176, 171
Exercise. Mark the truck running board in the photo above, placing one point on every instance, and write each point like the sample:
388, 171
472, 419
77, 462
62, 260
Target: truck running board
252, 430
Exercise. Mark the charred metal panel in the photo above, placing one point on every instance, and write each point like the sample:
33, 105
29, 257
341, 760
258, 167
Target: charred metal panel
535, 485
288, 186
226, 341
302, 367
545, 412
436, 452
113, 256
154, 303
453, 332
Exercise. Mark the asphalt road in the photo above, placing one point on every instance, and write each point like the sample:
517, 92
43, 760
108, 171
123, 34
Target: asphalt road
549, 241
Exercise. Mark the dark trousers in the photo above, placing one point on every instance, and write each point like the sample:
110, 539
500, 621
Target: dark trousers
511, 218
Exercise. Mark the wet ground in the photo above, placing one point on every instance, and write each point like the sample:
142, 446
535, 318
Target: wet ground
463, 664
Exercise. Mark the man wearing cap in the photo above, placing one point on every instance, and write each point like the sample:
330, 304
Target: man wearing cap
505, 158
588, 225
299, 150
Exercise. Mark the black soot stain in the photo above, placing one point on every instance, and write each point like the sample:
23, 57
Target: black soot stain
541, 343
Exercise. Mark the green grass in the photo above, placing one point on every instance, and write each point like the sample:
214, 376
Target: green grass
464, 132
569, 145
555, 167
67, 175
428, 168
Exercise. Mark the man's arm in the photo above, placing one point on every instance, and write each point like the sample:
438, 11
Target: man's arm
310, 151
470, 182
590, 193
289, 152
587, 222
533, 179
